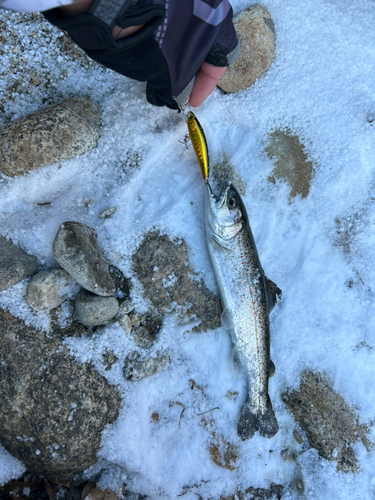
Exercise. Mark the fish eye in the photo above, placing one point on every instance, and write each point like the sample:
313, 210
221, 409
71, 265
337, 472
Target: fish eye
232, 201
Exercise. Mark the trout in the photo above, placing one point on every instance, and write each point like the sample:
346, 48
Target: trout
247, 297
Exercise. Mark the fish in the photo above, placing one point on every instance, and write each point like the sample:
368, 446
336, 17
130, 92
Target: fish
199, 142
247, 298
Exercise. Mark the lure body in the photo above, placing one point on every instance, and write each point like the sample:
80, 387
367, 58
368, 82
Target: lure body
199, 143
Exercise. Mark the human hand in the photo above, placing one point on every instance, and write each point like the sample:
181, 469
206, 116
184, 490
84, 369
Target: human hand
205, 83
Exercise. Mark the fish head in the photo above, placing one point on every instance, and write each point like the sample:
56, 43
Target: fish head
225, 216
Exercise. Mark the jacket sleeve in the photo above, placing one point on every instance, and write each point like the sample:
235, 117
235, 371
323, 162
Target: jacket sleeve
176, 37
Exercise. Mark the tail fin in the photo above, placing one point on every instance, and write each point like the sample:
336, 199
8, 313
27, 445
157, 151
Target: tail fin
249, 422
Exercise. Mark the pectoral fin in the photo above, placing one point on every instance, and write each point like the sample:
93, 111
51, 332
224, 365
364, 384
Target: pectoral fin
274, 293
272, 369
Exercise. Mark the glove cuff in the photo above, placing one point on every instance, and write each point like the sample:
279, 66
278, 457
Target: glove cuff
220, 56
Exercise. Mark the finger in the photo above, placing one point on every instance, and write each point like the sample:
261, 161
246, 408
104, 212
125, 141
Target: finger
205, 82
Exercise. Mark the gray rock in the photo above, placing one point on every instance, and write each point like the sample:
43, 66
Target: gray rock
47, 289
106, 214
274, 492
256, 34
94, 310
331, 426
15, 264
53, 409
137, 366
125, 322
134, 318
122, 284
167, 279
142, 337
127, 306
76, 249
291, 163
57, 133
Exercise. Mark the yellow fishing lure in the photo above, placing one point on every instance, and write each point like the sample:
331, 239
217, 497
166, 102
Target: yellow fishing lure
199, 143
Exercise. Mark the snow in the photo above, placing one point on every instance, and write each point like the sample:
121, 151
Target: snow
321, 87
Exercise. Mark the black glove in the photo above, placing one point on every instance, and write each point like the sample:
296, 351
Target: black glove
167, 52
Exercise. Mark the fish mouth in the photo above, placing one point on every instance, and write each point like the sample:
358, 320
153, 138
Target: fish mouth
217, 202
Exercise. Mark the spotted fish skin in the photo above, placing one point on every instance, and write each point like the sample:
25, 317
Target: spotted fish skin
198, 140
247, 298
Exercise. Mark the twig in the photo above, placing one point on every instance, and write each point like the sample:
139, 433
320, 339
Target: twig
208, 411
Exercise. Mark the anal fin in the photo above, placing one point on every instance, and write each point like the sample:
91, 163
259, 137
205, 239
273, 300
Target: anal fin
273, 292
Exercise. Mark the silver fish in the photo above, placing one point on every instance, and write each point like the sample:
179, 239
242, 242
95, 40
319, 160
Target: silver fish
247, 298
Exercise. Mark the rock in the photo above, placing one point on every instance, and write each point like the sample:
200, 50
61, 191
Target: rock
163, 270
76, 249
53, 409
256, 34
127, 306
329, 423
106, 214
122, 284
94, 310
53, 134
125, 322
109, 359
291, 162
15, 264
137, 367
134, 318
274, 492
142, 337
48, 289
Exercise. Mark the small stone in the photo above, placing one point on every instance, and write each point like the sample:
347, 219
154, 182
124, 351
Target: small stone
256, 34
15, 264
122, 283
76, 249
135, 319
59, 132
297, 436
291, 163
137, 367
127, 306
107, 213
47, 289
94, 310
125, 322
109, 359
142, 337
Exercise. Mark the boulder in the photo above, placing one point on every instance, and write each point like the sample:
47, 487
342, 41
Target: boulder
53, 409
56, 133
256, 34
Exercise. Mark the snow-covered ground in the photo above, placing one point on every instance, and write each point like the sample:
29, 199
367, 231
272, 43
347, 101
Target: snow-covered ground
320, 86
